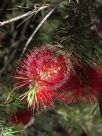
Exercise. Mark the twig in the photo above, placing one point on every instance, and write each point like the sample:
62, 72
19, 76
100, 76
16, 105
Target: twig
54, 5
21, 16
36, 30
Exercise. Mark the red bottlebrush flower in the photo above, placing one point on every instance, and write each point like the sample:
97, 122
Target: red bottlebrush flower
21, 116
42, 71
85, 85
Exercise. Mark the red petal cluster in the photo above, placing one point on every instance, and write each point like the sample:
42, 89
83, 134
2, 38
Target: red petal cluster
84, 85
21, 116
44, 97
43, 70
48, 76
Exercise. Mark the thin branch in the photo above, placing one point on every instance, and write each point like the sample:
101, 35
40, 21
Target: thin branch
36, 30
22, 16
54, 5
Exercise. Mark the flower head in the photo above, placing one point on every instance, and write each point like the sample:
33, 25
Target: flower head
85, 85
21, 116
42, 71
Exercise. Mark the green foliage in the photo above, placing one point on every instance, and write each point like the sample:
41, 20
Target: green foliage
69, 120
8, 131
81, 118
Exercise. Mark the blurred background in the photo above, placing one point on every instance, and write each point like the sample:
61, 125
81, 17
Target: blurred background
77, 26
